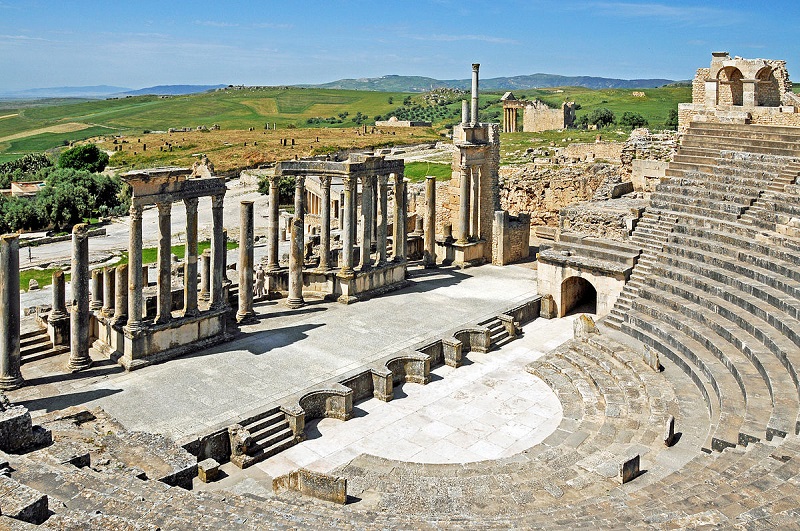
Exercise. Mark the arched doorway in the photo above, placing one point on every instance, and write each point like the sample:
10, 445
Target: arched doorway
768, 92
578, 295
729, 91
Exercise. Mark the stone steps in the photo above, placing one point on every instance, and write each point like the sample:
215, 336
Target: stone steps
270, 434
36, 345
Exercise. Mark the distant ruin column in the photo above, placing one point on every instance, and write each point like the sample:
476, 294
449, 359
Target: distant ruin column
464, 112
79, 323
474, 226
399, 237
429, 256
97, 290
121, 302
10, 374
108, 291
217, 253
58, 320
164, 286
347, 225
474, 115
383, 182
190, 260
463, 205
273, 224
135, 280
246, 234
296, 256
205, 276
366, 221
325, 224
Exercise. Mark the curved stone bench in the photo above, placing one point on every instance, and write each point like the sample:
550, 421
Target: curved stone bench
331, 401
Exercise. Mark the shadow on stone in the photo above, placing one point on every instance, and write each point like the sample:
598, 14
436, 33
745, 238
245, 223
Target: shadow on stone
64, 401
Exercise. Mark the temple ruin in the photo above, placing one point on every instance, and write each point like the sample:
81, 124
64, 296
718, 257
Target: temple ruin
537, 115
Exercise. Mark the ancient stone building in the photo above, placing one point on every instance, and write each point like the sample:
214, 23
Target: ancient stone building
537, 115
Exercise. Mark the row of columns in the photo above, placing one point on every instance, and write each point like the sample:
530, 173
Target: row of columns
469, 204
509, 119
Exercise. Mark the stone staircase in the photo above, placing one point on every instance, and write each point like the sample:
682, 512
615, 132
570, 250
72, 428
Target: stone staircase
270, 434
498, 334
36, 345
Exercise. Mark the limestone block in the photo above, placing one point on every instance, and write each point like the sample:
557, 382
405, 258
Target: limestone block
33, 284
629, 470
453, 349
315, 484
669, 432
383, 385
548, 308
650, 357
583, 327
207, 470
21, 502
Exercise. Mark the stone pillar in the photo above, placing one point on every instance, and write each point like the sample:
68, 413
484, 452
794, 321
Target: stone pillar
347, 226
79, 323
354, 215
464, 112
10, 360
225, 280
246, 235
190, 260
463, 205
399, 236
429, 256
474, 114
712, 87
121, 302
383, 181
108, 292
58, 320
217, 253
474, 226
749, 92
97, 290
273, 225
164, 306
325, 224
205, 276
366, 221
135, 301
296, 257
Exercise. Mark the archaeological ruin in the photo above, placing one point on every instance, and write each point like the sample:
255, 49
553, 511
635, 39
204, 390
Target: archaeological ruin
536, 115
659, 319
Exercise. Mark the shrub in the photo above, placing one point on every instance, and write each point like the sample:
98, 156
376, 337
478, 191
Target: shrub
632, 120
86, 157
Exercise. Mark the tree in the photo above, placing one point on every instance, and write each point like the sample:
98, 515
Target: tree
672, 120
87, 157
632, 120
601, 117
70, 196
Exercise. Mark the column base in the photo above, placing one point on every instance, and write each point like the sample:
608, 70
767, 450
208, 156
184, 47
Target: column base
79, 364
246, 317
295, 303
9, 383
191, 313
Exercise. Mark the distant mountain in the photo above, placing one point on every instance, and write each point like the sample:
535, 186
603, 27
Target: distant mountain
394, 83
170, 90
95, 91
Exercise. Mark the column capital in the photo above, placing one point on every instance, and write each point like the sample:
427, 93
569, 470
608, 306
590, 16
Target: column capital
217, 201
164, 208
383, 179
274, 180
135, 212
325, 181
299, 181
191, 204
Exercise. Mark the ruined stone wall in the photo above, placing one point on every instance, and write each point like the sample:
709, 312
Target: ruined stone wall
537, 116
512, 236
781, 116
610, 219
699, 85
609, 151
417, 203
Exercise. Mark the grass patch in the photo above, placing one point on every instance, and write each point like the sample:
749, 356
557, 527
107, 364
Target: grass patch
43, 276
417, 171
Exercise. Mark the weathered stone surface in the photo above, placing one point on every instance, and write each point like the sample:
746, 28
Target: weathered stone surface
318, 485
669, 431
629, 470
207, 470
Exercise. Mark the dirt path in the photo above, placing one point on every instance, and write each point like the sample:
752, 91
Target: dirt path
58, 128
9, 115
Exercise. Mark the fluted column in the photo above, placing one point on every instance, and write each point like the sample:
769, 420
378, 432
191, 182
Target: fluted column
121, 302
10, 360
366, 221
347, 225
79, 323
400, 206
325, 224
108, 291
429, 255
273, 225
463, 205
383, 205
217, 253
296, 257
474, 217
164, 288
246, 235
135, 280
190, 260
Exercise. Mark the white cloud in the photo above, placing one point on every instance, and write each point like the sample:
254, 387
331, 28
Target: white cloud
456, 38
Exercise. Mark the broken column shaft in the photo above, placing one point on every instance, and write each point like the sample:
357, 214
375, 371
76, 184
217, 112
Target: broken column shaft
79, 323
10, 374
246, 235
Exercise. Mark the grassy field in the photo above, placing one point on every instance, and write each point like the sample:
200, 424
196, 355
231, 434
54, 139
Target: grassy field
417, 171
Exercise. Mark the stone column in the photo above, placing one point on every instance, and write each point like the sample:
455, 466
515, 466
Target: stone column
296, 257
366, 221
135, 280
205, 276
325, 224
399, 236
354, 215
475, 200
10, 360
58, 320
464, 112
429, 256
347, 226
108, 292
474, 114
463, 205
79, 324
273, 225
164, 305
749, 92
121, 302
97, 290
190, 260
217, 253
246, 235
225, 280
383, 181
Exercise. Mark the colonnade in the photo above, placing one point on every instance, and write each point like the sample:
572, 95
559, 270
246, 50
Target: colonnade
469, 204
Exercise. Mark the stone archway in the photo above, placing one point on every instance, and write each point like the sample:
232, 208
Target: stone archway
768, 92
731, 90
578, 294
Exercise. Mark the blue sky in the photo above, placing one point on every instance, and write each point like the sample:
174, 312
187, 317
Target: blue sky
139, 43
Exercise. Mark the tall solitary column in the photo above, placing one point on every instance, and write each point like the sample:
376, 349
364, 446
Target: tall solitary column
273, 225
463, 205
347, 224
10, 374
474, 117
79, 324
108, 291
325, 224
429, 255
97, 290
295, 299
190, 260
135, 302
400, 205
383, 205
246, 235
366, 221
58, 320
475, 204
164, 308
121, 302
217, 253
